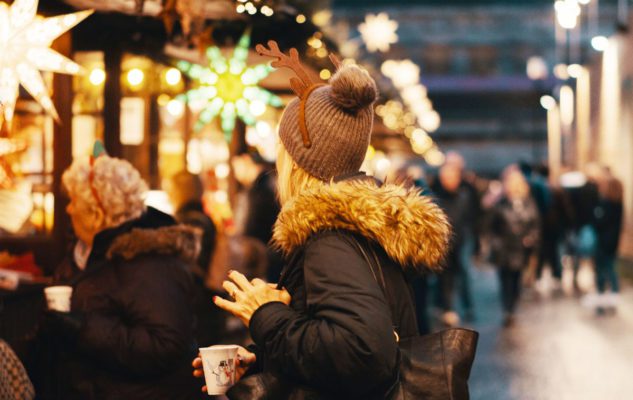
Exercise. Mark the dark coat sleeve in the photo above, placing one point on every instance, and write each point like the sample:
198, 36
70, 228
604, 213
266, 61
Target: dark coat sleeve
345, 341
153, 326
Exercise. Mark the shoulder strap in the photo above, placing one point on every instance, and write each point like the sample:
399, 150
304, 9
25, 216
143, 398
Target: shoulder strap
374, 265
376, 270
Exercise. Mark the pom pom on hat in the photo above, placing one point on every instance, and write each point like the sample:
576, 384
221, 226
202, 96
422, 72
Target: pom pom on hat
353, 89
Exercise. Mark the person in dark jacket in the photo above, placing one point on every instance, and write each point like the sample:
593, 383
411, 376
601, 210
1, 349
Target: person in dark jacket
258, 206
608, 222
454, 199
185, 193
331, 332
130, 332
514, 228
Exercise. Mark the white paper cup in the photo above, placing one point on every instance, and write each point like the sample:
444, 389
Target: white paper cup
58, 298
219, 364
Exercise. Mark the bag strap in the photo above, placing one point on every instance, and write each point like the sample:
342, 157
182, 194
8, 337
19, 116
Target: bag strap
379, 276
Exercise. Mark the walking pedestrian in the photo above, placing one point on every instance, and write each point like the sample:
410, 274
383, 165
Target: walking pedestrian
514, 229
608, 217
454, 199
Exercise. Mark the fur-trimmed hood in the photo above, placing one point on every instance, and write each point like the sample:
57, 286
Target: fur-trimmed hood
175, 240
411, 229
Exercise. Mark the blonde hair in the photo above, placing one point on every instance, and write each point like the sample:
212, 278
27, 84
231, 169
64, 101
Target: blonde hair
118, 186
292, 180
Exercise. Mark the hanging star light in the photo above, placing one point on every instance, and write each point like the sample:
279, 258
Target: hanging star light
378, 32
25, 39
228, 88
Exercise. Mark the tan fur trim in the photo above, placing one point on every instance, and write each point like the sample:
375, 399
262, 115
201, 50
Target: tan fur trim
177, 240
412, 229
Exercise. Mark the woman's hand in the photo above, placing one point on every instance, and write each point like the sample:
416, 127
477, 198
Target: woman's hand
248, 296
244, 360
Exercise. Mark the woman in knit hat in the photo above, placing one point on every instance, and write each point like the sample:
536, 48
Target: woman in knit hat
330, 327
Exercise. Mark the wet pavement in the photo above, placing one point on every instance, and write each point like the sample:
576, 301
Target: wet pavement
556, 350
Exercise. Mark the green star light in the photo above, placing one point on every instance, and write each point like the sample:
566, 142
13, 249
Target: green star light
228, 88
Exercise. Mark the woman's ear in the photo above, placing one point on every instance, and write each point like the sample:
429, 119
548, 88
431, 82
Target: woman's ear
99, 221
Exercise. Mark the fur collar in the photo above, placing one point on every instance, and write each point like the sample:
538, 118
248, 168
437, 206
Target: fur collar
174, 240
411, 228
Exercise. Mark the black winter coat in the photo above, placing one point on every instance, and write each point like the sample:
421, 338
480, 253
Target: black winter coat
514, 230
337, 336
135, 339
608, 220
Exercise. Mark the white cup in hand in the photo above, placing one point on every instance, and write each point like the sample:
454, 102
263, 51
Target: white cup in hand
58, 298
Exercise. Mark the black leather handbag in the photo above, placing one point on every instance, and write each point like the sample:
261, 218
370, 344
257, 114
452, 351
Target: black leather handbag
431, 367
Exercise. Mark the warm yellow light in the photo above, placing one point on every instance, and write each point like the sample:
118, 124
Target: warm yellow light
325, 74
135, 77
163, 99
600, 43
301, 19
322, 17
173, 76
222, 171
267, 11
536, 68
434, 157
321, 52
548, 102
378, 32
176, 108
257, 108
97, 76
221, 197
567, 13
431, 121
315, 42
419, 136
561, 72
575, 70
567, 105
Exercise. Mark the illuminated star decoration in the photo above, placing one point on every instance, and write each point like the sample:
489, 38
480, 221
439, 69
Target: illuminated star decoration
378, 32
228, 88
25, 39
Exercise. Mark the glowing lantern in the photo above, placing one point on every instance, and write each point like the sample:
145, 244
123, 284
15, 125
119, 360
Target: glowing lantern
25, 41
228, 88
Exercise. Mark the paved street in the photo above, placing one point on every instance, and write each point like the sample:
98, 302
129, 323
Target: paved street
557, 350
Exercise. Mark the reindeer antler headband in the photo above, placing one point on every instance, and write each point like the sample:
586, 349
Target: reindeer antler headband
301, 85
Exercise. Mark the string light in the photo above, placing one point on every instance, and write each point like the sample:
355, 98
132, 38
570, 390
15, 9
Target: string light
135, 77
567, 13
97, 77
300, 19
548, 102
574, 70
600, 43
173, 76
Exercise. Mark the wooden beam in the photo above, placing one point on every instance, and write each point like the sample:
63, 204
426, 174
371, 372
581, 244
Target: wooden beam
112, 102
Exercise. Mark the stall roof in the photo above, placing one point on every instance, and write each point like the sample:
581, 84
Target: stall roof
212, 9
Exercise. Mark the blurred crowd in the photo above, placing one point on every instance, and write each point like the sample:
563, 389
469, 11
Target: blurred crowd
521, 224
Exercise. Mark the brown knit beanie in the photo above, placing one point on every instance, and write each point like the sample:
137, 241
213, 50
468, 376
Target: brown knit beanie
338, 118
